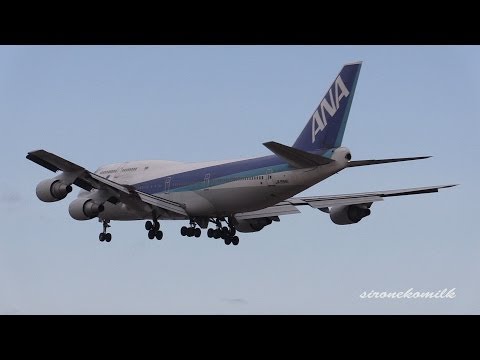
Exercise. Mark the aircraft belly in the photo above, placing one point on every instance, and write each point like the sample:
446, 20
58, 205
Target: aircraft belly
120, 211
196, 204
227, 201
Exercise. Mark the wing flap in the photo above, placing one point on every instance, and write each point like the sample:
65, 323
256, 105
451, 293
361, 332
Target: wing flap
318, 204
276, 210
109, 183
162, 203
414, 191
147, 198
359, 198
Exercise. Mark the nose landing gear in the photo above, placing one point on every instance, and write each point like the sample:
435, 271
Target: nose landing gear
104, 236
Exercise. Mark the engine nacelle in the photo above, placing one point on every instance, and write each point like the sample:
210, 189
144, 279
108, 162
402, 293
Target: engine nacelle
348, 214
84, 209
51, 190
252, 225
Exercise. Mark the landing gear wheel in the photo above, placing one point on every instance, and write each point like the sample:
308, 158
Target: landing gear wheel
210, 233
153, 227
104, 236
190, 232
216, 234
198, 232
233, 231
183, 231
227, 241
159, 235
235, 240
148, 225
225, 232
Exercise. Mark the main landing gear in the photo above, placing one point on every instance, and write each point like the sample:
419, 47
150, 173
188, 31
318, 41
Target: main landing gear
226, 233
153, 229
104, 236
191, 231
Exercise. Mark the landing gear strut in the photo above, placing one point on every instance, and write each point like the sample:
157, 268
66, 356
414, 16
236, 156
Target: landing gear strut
104, 236
153, 229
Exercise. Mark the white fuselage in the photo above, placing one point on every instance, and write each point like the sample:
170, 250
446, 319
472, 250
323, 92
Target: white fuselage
213, 196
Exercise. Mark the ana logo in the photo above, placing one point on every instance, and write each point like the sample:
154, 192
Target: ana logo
319, 120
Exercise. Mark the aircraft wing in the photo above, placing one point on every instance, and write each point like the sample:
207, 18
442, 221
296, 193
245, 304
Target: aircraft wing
88, 181
322, 203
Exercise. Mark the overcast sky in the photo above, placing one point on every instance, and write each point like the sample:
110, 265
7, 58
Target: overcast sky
99, 104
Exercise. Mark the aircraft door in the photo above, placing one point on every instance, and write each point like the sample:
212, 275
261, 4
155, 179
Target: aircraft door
167, 184
207, 181
269, 176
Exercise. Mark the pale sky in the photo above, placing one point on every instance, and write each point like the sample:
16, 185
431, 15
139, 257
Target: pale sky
101, 104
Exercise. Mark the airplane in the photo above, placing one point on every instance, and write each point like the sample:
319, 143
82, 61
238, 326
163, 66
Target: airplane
242, 195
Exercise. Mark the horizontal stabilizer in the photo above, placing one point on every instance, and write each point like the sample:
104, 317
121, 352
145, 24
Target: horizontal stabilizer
383, 161
295, 157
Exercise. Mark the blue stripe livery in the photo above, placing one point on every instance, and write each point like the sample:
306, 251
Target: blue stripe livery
219, 174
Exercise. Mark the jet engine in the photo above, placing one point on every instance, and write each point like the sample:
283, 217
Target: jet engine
51, 190
348, 214
252, 225
84, 209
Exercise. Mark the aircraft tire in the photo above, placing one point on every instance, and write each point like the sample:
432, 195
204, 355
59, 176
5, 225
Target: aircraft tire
183, 231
